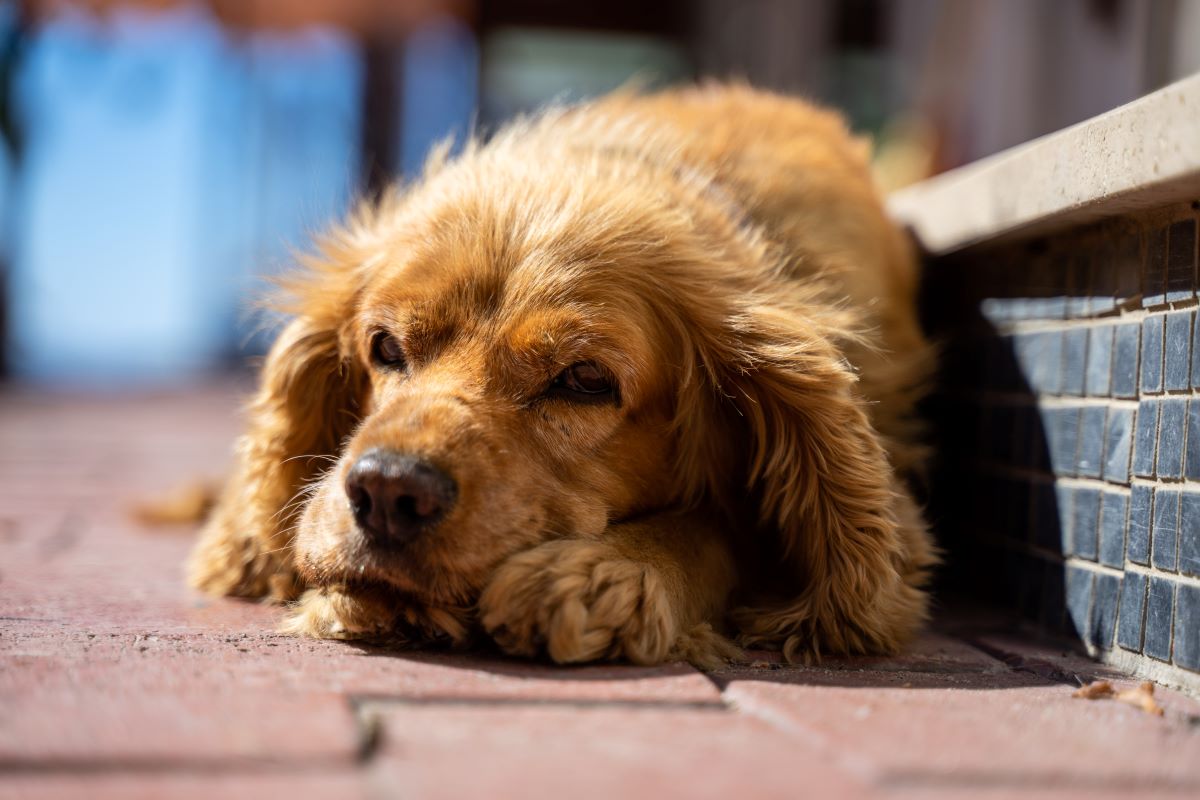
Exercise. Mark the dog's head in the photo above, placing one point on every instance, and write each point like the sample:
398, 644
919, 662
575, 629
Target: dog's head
529, 346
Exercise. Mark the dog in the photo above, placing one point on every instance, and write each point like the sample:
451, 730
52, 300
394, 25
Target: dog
633, 380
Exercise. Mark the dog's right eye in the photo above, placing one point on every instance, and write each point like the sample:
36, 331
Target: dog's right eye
387, 352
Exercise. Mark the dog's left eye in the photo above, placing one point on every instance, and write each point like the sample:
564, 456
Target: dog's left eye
387, 352
584, 381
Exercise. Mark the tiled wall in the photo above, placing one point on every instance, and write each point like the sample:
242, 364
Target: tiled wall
1068, 428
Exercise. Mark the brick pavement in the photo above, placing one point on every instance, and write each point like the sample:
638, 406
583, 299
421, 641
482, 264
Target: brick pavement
116, 681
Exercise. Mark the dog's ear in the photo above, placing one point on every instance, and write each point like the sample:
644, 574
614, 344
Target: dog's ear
824, 483
309, 400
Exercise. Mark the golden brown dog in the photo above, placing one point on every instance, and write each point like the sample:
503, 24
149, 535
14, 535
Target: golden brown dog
622, 380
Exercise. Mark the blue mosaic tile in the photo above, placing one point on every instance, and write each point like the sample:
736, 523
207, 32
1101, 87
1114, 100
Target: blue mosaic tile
1114, 512
1065, 498
1154, 276
1141, 500
1091, 441
1126, 356
1187, 627
1105, 596
1191, 468
1060, 425
1127, 267
1085, 522
1166, 525
1133, 608
1181, 260
1160, 605
1196, 356
1039, 356
1046, 529
1118, 437
1172, 420
1178, 351
1079, 598
1152, 353
1074, 361
1189, 534
1099, 361
1145, 438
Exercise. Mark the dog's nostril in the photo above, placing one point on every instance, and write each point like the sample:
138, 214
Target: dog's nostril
394, 497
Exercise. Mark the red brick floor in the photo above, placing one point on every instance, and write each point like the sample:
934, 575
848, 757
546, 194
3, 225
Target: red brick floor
117, 681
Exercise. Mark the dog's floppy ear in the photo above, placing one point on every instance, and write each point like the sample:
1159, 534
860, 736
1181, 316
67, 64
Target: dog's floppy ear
308, 401
825, 485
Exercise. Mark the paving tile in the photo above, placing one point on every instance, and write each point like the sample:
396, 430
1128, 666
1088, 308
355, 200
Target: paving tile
200, 782
1172, 423
1126, 360
1091, 441
1099, 360
1152, 354
1145, 438
1178, 350
1114, 514
1187, 627
1181, 261
1024, 737
509, 752
1141, 522
1160, 606
1189, 533
1166, 526
1132, 613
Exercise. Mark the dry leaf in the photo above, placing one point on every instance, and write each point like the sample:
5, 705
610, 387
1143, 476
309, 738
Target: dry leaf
1094, 690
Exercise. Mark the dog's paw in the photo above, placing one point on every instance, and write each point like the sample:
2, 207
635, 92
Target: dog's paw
332, 612
579, 601
238, 566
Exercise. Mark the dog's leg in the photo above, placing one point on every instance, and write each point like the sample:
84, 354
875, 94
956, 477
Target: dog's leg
648, 591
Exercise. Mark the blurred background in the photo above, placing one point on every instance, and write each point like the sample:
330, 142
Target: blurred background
160, 160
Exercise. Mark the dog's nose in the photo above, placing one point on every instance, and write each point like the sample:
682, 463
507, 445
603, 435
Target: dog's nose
395, 496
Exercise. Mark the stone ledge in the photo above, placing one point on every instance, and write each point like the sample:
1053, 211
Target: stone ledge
1141, 155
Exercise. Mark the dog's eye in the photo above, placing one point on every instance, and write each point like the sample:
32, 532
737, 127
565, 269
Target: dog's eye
387, 352
584, 381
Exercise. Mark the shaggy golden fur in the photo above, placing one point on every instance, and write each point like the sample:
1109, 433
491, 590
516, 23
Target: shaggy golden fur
722, 257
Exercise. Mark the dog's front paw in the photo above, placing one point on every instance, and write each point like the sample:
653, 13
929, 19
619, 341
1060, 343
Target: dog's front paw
579, 601
343, 612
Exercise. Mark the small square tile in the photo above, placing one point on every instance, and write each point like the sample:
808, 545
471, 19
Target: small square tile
1060, 424
1099, 361
1152, 354
1172, 422
1091, 441
1126, 359
1187, 627
1191, 467
1178, 351
1133, 608
1189, 533
1118, 437
1145, 438
1127, 266
1039, 357
1114, 513
1085, 522
1154, 275
1065, 498
1074, 361
1160, 605
1141, 501
1105, 596
1181, 260
1046, 526
1166, 525
1079, 598
1195, 356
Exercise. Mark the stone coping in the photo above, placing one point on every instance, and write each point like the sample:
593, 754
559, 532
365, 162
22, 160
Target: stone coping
1141, 155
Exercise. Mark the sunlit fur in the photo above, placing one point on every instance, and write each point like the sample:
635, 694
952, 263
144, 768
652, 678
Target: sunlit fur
724, 254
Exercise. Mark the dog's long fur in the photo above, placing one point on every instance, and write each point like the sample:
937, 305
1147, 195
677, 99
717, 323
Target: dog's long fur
724, 255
